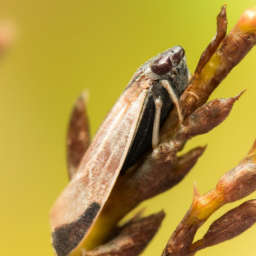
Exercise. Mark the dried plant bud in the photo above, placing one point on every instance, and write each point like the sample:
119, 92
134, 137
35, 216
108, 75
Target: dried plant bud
132, 238
209, 116
230, 225
203, 120
78, 137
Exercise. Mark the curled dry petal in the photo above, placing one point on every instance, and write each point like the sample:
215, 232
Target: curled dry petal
230, 225
132, 238
78, 137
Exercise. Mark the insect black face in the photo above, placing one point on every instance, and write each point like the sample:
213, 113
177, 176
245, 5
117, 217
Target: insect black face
167, 61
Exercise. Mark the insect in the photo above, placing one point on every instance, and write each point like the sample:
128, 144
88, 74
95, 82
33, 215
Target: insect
130, 128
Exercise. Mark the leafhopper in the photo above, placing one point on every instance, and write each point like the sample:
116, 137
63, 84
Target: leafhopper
130, 129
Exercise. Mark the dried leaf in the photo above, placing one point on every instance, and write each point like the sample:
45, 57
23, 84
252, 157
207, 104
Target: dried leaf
210, 115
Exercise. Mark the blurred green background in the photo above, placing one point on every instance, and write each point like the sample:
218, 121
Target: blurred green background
63, 47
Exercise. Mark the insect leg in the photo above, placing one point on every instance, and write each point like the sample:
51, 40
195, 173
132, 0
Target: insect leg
156, 126
174, 98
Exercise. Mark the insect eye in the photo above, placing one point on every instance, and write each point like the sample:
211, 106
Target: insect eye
162, 66
176, 57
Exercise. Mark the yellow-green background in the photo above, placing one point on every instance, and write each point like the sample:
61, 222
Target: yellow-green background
63, 47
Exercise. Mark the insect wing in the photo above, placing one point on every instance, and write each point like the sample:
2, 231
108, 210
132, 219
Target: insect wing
76, 209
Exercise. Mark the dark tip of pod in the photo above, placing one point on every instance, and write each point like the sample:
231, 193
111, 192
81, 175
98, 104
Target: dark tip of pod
162, 66
176, 57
